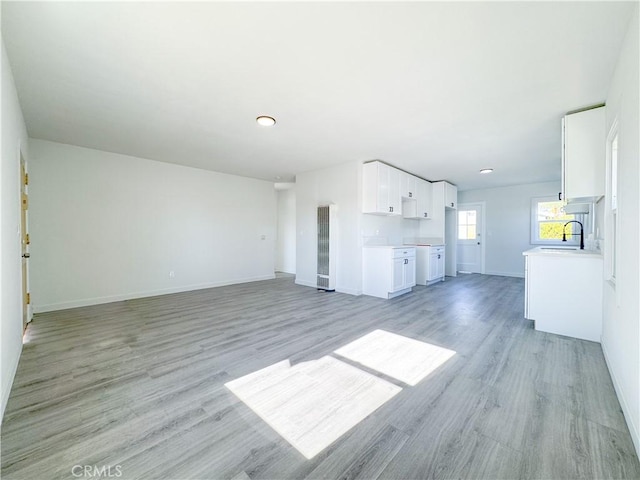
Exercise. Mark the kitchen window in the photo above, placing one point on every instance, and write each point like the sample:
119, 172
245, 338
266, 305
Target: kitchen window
547, 222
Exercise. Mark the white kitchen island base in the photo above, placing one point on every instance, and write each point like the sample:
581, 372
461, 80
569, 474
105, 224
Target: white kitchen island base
563, 292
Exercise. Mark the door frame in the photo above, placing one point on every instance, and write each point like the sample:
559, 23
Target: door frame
483, 229
24, 242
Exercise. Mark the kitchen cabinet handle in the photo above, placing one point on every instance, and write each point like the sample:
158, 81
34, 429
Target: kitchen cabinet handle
390, 209
452, 204
410, 194
426, 214
438, 255
559, 195
406, 261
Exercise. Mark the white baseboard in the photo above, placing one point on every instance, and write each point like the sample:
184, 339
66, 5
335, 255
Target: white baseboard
633, 429
150, 293
291, 271
304, 283
6, 389
349, 291
507, 274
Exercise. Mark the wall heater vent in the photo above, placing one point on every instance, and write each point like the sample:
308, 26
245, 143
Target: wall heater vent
327, 245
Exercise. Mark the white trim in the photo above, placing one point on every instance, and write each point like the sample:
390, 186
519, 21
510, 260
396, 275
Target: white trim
617, 386
6, 389
507, 274
533, 231
611, 217
304, 283
22, 159
151, 293
349, 291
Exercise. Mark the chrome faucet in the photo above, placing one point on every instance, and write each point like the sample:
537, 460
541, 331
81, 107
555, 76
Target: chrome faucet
564, 235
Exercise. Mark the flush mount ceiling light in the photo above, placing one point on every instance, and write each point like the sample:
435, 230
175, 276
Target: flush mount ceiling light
266, 121
486, 170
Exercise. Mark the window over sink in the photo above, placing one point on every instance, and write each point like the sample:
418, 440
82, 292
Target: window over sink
547, 222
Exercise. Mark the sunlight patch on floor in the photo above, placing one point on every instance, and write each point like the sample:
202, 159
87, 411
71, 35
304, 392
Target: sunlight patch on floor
313, 403
399, 357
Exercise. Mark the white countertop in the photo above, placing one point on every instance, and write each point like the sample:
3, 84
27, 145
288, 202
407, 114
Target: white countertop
563, 252
424, 241
424, 244
389, 246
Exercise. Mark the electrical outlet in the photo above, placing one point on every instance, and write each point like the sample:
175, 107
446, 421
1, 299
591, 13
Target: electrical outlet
263, 237
172, 274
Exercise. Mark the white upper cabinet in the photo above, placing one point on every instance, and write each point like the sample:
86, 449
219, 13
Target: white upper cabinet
389, 191
583, 155
444, 193
424, 191
381, 189
407, 185
419, 205
450, 195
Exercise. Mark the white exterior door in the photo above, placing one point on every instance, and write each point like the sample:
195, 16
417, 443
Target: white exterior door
470, 238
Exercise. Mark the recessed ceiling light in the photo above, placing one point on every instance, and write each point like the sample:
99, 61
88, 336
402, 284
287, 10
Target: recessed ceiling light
266, 121
486, 170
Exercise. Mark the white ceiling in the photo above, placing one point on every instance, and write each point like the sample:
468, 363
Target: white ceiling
438, 89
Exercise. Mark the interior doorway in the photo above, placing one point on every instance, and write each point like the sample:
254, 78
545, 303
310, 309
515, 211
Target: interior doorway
471, 238
285, 261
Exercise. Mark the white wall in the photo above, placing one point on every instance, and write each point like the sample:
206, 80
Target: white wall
621, 326
106, 227
340, 185
380, 229
508, 223
286, 241
14, 137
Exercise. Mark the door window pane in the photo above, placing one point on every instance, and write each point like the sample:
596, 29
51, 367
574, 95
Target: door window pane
467, 222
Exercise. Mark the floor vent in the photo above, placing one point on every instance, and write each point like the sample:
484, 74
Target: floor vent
327, 244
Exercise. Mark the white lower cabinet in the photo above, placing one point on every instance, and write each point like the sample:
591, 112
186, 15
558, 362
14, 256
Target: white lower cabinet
436, 266
409, 271
430, 264
388, 271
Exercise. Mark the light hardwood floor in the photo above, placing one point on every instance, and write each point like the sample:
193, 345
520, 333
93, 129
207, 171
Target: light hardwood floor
139, 385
